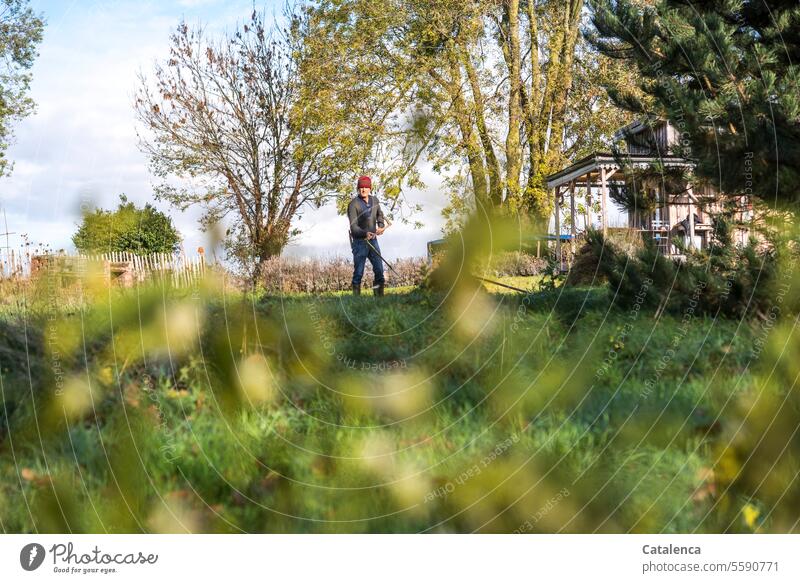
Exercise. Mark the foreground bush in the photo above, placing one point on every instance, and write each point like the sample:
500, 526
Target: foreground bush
173, 410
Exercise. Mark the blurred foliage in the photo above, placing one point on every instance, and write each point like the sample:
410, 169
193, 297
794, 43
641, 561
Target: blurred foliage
161, 409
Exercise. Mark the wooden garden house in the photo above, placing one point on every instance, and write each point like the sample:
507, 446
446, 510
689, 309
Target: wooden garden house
683, 212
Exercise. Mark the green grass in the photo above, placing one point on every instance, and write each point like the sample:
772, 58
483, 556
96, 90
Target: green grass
415, 412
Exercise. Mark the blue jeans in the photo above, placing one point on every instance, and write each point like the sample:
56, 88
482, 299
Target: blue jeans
362, 252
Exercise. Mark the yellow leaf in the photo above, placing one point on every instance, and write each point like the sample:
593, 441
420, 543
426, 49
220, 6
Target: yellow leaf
750, 514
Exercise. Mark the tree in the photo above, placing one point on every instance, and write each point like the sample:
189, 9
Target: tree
226, 116
357, 90
128, 228
496, 94
726, 73
21, 32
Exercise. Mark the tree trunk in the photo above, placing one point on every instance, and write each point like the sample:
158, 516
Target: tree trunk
492, 164
271, 244
563, 83
545, 110
469, 142
513, 147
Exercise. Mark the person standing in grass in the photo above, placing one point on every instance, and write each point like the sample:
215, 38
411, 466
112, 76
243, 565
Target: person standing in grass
366, 224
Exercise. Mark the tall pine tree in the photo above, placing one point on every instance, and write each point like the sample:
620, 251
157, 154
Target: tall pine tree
726, 73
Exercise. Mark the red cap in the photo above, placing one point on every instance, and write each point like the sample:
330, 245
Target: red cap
364, 182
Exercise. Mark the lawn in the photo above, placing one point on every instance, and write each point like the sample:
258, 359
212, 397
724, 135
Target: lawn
209, 410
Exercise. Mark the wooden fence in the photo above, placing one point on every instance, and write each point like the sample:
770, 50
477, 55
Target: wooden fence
120, 268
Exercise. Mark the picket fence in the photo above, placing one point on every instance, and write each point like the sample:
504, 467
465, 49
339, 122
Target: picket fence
123, 267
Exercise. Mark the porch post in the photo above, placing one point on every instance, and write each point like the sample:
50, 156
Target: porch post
572, 227
603, 200
572, 208
587, 210
558, 227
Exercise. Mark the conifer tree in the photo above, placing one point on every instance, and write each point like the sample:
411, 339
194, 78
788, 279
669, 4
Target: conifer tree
726, 73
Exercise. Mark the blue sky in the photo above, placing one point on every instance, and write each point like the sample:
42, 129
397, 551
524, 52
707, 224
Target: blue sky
80, 146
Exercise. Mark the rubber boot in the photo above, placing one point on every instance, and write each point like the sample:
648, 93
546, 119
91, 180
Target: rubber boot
356, 290
378, 290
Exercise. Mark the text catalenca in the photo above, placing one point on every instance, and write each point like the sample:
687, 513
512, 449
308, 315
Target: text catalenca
669, 550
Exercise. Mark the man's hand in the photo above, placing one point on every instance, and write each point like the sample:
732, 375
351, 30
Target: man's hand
370, 235
380, 230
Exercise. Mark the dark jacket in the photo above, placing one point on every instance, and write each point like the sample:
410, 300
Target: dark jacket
362, 220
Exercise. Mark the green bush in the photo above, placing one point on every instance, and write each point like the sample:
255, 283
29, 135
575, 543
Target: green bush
722, 280
128, 228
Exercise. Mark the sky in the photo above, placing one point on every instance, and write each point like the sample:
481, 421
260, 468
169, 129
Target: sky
80, 147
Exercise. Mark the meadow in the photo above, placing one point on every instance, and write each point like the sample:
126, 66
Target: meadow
208, 409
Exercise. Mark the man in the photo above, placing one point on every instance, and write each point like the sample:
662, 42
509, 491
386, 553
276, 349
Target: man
366, 224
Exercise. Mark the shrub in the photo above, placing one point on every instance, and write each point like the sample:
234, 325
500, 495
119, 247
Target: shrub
129, 228
290, 275
515, 263
723, 279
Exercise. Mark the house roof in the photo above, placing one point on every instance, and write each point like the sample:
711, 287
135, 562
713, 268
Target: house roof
637, 126
594, 162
